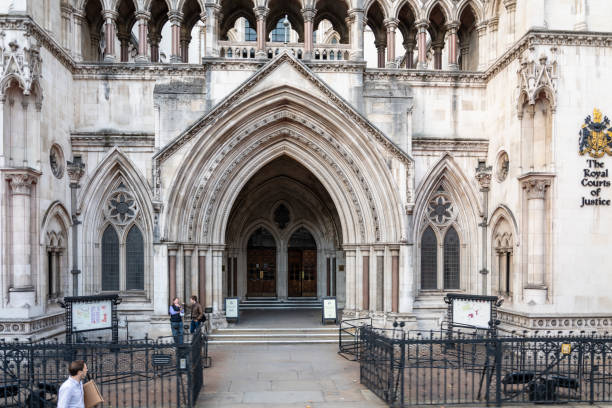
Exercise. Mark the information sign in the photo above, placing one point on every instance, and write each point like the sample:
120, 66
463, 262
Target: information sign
473, 311
329, 310
91, 315
232, 309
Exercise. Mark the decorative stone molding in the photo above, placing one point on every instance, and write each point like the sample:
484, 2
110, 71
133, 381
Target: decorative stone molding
457, 146
106, 139
441, 210
20, 62
511, 320
25, 328
536, 76
536, 187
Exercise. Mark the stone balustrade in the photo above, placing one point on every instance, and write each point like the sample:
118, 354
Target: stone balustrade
247, 50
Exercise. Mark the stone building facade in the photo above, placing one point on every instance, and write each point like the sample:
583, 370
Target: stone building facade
385, 152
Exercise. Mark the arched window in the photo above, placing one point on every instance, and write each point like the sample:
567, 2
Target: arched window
249, 33
279, 34
110, 259
134, 271
429, 260
451, 259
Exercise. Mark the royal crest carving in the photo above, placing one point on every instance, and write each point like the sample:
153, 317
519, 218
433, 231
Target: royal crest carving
595, 136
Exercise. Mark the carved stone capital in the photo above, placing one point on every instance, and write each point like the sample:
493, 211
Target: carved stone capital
494, 23
536, 187
261, 12
175, 17
143, 16
483, 175
110, 14
75, 170
21, 183
510, 5
391, 23
452, 27
422, 25
309, 13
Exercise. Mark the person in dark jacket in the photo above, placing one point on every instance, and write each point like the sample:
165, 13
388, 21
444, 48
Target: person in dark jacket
177, 312
197, 315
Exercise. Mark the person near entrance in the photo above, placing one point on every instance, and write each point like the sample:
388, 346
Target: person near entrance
70, 394
197, 315
177, 311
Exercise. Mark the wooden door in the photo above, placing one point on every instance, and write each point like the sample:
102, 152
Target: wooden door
302, 272
261, 272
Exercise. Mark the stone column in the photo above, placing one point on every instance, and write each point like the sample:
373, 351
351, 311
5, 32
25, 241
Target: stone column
261, 13
22, 289
2, 134
143, 21
217, 279
483, 176
391, 26
66, 12
493, 25
482, 49
581, 22
422, 43
75, 170
409, 58
185, 40
356, 17
124, 40
465, 52
175, 19
202, 278
187, 251
308, 14
395, 283
109, 29
351, 294
154, 39
437, 47
380, 48
535, 193
366, 280
78, 21
172, 273
380, 279
213, 16
452, 45
511, 13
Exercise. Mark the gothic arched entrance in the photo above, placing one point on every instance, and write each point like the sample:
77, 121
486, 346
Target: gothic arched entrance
261, 264
302, 260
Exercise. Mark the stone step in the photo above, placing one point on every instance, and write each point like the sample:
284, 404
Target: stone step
274, 335
277, 304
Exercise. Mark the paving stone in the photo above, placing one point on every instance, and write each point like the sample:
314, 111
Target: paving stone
290, 397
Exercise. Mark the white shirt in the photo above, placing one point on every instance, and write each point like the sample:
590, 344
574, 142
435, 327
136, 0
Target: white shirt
71, 394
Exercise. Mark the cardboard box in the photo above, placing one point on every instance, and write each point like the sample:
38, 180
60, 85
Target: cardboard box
91, 394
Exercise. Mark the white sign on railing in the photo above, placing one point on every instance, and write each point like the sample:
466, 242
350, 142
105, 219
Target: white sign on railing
472, 313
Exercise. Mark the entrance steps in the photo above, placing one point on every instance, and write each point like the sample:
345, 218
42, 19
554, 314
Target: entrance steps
306, 335
280, 304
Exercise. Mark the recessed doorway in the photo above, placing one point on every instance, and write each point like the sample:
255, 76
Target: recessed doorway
261, 264
302, 262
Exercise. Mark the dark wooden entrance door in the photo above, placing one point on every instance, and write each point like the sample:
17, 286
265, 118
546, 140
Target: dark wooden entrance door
302, 262
302, 272
261, 264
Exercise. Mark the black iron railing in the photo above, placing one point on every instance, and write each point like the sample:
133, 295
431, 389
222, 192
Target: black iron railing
414, 369
134, 373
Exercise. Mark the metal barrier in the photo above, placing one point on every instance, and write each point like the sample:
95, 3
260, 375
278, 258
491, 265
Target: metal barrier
135, 373
435, 369
348, 337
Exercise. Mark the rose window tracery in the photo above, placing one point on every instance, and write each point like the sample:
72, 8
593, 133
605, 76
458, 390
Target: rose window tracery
441, 210
121, 206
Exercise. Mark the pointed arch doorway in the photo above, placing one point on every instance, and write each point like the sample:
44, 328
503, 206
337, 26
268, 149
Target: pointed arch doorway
302, 264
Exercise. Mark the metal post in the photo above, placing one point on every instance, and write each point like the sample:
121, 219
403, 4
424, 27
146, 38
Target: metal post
75, 170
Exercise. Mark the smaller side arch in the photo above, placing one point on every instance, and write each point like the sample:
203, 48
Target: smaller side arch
56, 209
475, 5
443, 6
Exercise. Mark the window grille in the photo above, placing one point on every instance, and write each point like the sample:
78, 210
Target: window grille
429, 260
134, 260
110, 259
451, 259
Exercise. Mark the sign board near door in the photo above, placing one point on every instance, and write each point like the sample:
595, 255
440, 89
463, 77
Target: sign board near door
329, 310
232, 309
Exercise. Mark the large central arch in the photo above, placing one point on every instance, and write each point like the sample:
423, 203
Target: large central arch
203, 171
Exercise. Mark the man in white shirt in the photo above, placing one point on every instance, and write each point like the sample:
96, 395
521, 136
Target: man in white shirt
71, 391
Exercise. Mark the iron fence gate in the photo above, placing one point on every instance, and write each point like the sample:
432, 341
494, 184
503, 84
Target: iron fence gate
437, 369
136, 373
